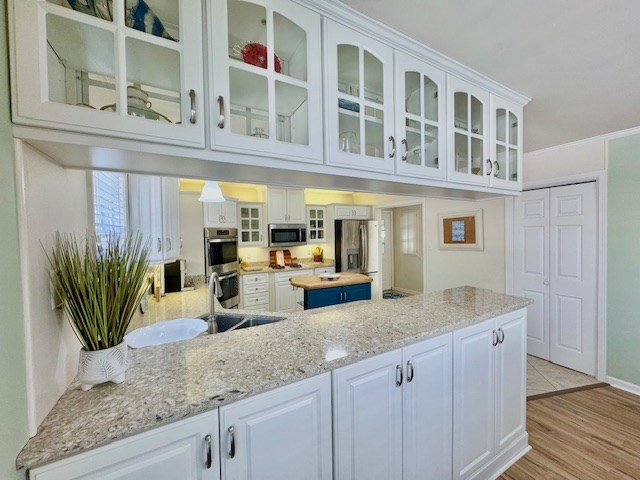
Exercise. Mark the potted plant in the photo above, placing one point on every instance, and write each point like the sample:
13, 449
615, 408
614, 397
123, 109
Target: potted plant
99, 282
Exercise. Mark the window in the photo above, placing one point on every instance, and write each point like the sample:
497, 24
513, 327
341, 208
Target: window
409, 232
109, 203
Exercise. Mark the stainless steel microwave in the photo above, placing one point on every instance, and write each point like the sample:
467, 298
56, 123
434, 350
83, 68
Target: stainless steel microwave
284, 235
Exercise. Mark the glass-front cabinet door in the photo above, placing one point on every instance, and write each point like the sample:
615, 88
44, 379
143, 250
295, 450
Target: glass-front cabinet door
267, 86
506, 147
468, 119
358, 100
126, 68
316, 224
420, 118
250, 224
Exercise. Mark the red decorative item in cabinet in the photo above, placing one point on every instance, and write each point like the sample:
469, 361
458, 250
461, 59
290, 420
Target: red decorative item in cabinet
256, 54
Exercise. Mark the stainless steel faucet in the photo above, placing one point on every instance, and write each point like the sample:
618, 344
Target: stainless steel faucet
215, 290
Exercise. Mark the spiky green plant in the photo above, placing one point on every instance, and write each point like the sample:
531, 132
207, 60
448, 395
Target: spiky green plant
100, 284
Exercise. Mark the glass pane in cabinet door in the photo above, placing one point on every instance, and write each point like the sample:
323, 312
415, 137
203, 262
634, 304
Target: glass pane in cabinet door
513, 164
160, 18
153, 82
412, 92
312, 234
102, 9
312, 213
312, 223
255, 236
249, 103
500, 164
430, 100
244, 224
513, 129
320, 234
349, 128
476, 116
462, 153
290, 45
460, 107
349, 69
431, 146
244, 212
293, 114
501, 125
247, 33
320, 213
476, 156
373, 79
414, 144
374, 132
245, 236
80, 64
255, 224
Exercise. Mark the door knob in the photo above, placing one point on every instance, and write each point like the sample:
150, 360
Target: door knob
546, 282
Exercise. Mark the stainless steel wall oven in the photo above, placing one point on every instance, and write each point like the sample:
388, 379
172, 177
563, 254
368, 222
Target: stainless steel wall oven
221, 256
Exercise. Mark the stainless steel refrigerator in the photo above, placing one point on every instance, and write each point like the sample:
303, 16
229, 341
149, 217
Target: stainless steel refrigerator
357, 246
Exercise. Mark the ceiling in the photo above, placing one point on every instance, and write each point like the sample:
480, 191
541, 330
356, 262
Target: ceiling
578, 60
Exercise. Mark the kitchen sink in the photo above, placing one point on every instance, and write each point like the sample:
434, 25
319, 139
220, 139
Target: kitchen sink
233, 321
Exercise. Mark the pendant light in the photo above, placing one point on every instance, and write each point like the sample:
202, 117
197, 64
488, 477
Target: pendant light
211, 193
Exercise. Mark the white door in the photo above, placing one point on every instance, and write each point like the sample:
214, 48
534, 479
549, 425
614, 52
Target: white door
531, 264
573, 254
427, 409
386, 247
281, 434
367, 415
555, 265
474, 397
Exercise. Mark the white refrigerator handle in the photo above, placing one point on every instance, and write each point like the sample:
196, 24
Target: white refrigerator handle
364, 251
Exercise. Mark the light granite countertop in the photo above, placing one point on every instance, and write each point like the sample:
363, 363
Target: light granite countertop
170, 382
263, 267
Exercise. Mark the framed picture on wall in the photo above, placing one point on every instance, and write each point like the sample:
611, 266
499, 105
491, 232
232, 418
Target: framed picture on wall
461, 230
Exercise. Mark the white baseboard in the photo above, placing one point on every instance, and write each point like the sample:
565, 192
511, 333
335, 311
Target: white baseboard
623, 385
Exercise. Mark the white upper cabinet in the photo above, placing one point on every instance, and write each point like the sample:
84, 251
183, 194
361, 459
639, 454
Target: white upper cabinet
506, 144
358, 100
286, 205
250, 225
220, 214
468, 120
266, 89
420, 118
110, 71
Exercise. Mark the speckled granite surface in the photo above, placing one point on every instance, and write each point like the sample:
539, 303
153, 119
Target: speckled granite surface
170, 382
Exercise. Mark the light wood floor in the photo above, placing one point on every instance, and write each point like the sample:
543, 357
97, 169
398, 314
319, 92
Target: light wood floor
591, 434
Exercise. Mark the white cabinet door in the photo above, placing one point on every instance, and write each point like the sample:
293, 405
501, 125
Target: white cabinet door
511, 377
367, 419
296, 208
178, 451
469, 132
277, 205
285, 297
420, 118
260, 105
428, 398
76, 72
316, 224
358, 100
474, 397
352, 212
145, 212
220, 214
506, 144
171, 217
250, 225
281, 434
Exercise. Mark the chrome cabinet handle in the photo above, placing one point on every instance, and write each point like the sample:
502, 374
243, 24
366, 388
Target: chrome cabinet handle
497, 165
501, 332
232, 441
168, 243
221, 111
392, 152
409, 371
405, 149
495, 338
490, 164
208, 462
345, 297
193, 118
159, 244
398, 375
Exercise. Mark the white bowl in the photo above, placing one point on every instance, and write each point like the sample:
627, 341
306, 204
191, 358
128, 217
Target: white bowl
166, 332
329, 276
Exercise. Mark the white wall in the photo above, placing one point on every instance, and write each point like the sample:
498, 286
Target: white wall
52, 199
191, 231
564, 161
448, 268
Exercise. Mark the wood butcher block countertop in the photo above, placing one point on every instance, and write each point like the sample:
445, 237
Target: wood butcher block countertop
314, 282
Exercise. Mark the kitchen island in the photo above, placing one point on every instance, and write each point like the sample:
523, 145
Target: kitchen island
170, 382
335, 289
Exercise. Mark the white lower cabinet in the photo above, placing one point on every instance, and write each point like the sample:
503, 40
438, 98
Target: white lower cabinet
489, 393
185, 450
281, 434
287, 297
392, 414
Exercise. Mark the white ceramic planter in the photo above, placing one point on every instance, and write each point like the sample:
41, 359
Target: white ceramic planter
101, 366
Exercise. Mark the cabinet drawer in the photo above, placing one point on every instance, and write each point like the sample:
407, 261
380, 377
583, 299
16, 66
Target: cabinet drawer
285, 276
257, 299
252, 288
253, 279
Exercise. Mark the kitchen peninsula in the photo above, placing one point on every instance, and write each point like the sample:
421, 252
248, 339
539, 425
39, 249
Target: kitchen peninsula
333, 289
171, 382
